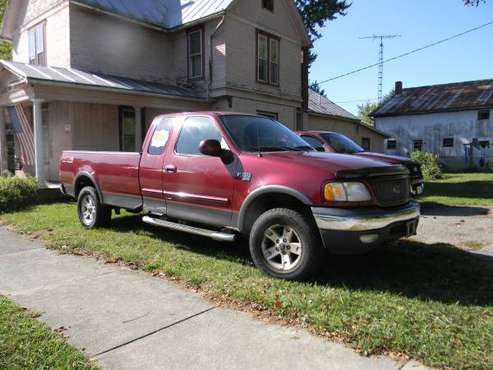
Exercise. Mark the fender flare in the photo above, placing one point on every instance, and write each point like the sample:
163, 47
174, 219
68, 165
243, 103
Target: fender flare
269, 189
91, 178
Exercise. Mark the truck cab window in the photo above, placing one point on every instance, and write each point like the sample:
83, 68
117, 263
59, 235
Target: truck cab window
194, 131
314, 142
160, 136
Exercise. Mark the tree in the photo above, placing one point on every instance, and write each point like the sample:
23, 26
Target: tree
364, 111
316, 87
5, 49
316, 13
473, 2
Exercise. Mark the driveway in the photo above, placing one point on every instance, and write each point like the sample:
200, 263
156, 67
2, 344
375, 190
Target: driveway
127, 319
467, 227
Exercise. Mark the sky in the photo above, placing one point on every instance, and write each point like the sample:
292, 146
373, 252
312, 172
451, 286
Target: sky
419, 22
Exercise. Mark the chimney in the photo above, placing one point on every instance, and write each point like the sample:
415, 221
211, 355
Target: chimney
398, 88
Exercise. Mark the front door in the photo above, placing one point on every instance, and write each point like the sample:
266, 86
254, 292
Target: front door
198, 188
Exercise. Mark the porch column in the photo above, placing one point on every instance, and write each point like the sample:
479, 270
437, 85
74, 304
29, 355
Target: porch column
38, 140
138, 128
3, 143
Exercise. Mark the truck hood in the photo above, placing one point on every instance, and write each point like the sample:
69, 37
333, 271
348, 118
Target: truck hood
394, 159
324, 161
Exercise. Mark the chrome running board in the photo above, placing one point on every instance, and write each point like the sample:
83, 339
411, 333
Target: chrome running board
216, 235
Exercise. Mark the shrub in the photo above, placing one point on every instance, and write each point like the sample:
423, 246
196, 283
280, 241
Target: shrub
17, 193
429, 165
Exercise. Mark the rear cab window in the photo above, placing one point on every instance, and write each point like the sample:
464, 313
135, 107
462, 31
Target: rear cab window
160, 136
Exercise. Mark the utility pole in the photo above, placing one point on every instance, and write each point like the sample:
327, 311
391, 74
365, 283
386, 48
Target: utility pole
380, 60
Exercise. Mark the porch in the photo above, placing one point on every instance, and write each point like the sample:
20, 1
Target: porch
68, 109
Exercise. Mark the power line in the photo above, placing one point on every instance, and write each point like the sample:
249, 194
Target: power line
407, 53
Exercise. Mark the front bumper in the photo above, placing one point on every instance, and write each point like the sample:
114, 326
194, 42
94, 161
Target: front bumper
358, 230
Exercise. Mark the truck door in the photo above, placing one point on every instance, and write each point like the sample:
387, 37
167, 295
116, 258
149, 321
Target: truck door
151, 165
198, 188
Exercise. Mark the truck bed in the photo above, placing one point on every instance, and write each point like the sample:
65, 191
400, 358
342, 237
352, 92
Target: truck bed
115, 173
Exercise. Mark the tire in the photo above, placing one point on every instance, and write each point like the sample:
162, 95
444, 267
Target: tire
92, 213
284, 244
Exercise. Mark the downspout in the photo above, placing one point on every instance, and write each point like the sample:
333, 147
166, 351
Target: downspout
213, 35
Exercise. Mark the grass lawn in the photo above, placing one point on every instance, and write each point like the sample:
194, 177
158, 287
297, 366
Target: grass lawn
25, 343
432, 302
460, 189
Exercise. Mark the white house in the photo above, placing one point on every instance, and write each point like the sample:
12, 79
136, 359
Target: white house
452, 120
92, 74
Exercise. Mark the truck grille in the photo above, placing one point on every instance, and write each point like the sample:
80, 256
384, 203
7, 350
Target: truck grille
392, 192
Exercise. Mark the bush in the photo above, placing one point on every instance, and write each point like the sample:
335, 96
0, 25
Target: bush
17, 193
429, 165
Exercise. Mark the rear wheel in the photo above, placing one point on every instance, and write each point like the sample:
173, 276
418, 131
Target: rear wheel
285, 245
92, 213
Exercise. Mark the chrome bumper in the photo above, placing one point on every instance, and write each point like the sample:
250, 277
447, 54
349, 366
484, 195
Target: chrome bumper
339, 219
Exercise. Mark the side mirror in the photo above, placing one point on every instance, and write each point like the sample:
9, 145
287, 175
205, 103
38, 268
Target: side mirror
211, 148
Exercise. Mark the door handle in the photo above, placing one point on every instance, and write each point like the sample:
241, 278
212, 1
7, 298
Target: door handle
170, 168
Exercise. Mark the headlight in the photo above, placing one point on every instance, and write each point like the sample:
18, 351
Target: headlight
346, 192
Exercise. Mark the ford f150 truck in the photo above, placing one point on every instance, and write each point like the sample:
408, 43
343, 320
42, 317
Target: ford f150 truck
333, 142
224, 175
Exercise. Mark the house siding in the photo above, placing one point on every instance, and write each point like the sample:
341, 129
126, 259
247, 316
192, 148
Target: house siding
106, 44
433, 128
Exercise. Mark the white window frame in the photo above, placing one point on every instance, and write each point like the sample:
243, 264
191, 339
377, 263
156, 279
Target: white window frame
36, 38
200, 54
272, 42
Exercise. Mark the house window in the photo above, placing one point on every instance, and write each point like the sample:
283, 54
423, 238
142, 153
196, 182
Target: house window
418, 145
272, 115
366, 143
195, 53
37, 47
268, 58
391, 144
484, 114
268, 4
448, 142
127, 129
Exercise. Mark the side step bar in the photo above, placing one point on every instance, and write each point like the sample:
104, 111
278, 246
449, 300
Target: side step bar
216, 235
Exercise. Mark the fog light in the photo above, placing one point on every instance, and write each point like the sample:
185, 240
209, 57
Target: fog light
368, 239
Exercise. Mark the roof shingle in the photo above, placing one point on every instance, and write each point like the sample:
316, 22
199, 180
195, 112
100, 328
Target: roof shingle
320, 104
166, 14
439, 98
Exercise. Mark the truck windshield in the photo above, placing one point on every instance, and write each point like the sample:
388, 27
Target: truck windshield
341, 144
257, 134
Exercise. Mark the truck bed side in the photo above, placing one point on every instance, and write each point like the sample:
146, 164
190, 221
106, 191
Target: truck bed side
114, 174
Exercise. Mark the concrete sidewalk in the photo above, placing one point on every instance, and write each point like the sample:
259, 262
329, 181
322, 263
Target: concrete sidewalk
130, 320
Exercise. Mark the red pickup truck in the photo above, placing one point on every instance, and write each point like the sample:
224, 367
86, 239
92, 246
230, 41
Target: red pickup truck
333, 142
223, 175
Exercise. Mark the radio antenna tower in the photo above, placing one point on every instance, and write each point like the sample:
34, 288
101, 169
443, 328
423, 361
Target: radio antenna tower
380, 60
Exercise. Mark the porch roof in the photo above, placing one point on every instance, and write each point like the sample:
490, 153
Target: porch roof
71, 76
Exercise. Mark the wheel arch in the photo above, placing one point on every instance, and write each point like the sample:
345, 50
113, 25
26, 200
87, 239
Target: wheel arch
269, 197
84, 179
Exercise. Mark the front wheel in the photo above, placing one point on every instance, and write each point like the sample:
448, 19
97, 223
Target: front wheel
92, 213
285, 245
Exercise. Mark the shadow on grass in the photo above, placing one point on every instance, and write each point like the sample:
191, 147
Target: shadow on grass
436, 209
438, 272
468, 189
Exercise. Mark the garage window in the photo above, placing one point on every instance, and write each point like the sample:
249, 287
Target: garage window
366, 143
391, 144
448, 142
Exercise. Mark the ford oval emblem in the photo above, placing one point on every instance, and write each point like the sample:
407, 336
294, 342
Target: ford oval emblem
396, 189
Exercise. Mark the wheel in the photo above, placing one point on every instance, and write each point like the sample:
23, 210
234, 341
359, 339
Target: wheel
285, 245
90, 210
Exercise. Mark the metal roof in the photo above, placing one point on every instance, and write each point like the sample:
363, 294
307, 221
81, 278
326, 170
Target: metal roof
439, 98
165, 14
77, 77
321, 105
